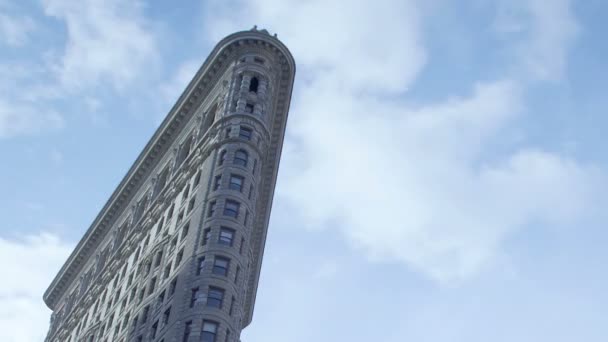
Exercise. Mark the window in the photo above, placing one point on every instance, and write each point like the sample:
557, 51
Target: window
159, 258
172, 286
134, 325
170, 214
236, 274
220, 266
222, 158
246, 217
197, 179
166, 316
152, 285
255, 164
226, 236
180, 217
228, 130
154, 330
144, 316
253, 84
194, 296
133, 291
206, 235
184, 150
148, 267
215, 297
185, 230
231, 208
162, 180
242, 245
240, 158
245, 133
211, 209
160, 299
209, 331
258, 60
250, 191
249, 108
201, 265
231, 306
179, 257
186, 192
146, 242
227, 335
217, 182
167, 271
236, 183
187, 331
125, 322
141, 294
191, 204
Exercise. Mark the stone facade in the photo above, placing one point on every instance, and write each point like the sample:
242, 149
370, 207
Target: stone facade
175, 253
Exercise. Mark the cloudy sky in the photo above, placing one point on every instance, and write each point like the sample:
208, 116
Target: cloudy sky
444, 174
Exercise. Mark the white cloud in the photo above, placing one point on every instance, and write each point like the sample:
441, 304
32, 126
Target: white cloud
23, 118
551, 29
15, 30
107, 40
29, 267
439, 187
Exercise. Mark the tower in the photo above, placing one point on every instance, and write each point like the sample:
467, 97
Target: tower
175, 253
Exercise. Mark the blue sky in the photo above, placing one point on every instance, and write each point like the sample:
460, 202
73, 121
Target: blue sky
443, 178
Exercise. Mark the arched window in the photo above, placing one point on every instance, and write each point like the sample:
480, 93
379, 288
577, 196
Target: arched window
253, 85
209, 119
240, 158
162, 180
184, 150
220, 162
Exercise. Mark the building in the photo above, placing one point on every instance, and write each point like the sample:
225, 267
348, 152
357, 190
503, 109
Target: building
175, 253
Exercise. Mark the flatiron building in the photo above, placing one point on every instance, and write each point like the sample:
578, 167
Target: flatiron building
175, 253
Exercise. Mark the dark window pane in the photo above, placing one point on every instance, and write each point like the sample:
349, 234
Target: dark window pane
240, 158
231, 208
245, 133
253, 85
217, 182
215, 297
222, 158
226, 236
209, 331
236, 182
220, 266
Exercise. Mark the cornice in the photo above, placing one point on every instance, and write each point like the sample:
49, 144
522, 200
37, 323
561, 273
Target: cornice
195, 93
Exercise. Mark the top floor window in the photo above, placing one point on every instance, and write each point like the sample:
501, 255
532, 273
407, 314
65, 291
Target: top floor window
253, 84
245, 133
